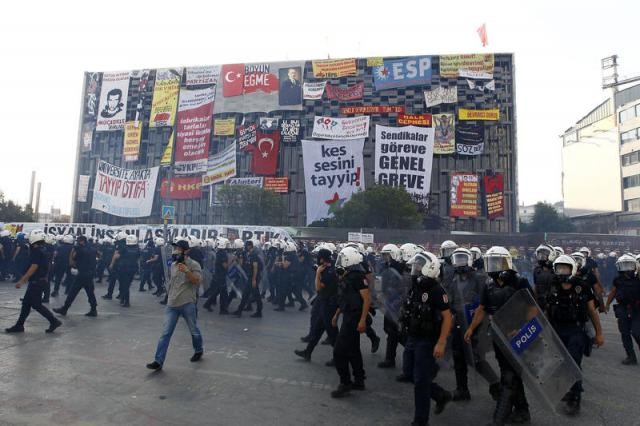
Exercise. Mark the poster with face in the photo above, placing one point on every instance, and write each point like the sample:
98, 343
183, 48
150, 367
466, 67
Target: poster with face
113, 101
290, 86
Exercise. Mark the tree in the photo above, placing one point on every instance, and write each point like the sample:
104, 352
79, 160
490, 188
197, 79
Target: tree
378, 207
12, 212
547, 219
250, 205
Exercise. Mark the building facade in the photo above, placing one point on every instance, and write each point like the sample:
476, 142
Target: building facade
493, 91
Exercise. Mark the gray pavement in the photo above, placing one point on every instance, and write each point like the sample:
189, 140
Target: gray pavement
91, 371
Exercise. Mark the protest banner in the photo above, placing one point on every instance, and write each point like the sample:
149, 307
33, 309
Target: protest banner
203, 75
340, 128
351, 93
182, 188
131, 143
313, 90
334, 68
256, 181
113, 101
469, 139
441, 95
453, 66
247, 135
412, 71
290, 130
479, 114
221, 166
165, 97
193, 131
423, 120
445, 133
83, 188
277, 184
224, 126
464, 195
372, 109
494, 195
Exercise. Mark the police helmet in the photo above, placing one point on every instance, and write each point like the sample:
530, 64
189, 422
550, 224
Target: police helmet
625, 263
223, 243
426, 264
461, 257
408, 250
579, 258
585, 251
546, 252
349, 257
498, 259
36, 236
476, 253
564, 266
238, 244
447, 247
559, 250
159, 242
391, 251
131, 240
68, 239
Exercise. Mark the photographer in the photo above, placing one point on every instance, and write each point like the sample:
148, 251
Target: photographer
181, 302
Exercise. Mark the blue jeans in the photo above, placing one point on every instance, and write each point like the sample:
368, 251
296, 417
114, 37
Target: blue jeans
171, 314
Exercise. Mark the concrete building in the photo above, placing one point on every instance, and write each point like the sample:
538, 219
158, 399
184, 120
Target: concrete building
628, 112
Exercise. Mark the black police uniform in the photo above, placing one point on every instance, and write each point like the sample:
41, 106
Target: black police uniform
128, 267
568, 311
219, 283
106, 254
21, 261
85, 263
512, 396
543, 279
145, 268
346, 351
421, 321
369, 331
157, 271
390, 325
252, 294
324, 307
5, 259
33, 296
627, 312
49, 250
61, 267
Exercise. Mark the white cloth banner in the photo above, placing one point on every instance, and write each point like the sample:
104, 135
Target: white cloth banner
203, 75
340, 128
83, 187
124, 192
481, 75
404, 156
221, 166
112, 112
441, 95
490, 85
313, 90
333, 171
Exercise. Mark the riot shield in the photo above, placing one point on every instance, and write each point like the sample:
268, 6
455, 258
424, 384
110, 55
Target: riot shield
165, 257
528, 340
391, 294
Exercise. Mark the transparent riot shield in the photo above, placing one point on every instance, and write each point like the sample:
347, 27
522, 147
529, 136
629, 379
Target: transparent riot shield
165, 257
528, 340
391, 294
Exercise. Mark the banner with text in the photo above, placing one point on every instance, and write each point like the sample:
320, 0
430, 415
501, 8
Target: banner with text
124, 192
224, 126
464, 195
193, 130
165, 97
469, 139
494, 195
423, 120
453, 66
131, 143
441, 95
444, 126
182, 188
247, 135
332, 172
313, 90
340, 128
372, 109
277, 184
404, 156
203, 75
290, 130
248, 181
221, 166
334, 68
83, 188
412, 71
113, 101
351, 93
479, 114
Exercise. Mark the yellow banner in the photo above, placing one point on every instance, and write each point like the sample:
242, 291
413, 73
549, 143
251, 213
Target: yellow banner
131, 144
479, 114
450, 65
165, 100
334, 68
375, 61
166, 156
224, 126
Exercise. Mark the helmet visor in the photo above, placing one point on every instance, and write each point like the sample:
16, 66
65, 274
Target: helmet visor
446, 252
460, 259
496, 264
625, 266
543, 254
562, 269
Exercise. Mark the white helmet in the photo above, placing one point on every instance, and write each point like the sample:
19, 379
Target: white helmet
370, 250
425, 263
317, 248
256, 242
238, 244
476, 253
210, 242
348, 256
49, 239
266, 246
625, 263
564, 260
68, 239
121, 236
585, 251
559, 250
59, 237
498, 259
613, 254
159, 242
278, 244
392, 251
546, 252
291, 247
330, 246
131, 240
36, 236
579, 258
5, 233
408, 250
193, 241
447, 247
461, 257
223, 243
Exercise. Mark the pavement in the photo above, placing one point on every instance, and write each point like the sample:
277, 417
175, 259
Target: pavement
91, 371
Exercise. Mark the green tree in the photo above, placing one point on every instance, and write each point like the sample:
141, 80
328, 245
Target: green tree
12, 212
379, 207
547, 219
250, 205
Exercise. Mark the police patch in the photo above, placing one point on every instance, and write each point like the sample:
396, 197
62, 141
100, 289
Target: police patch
578, 289
445, 299
425, 297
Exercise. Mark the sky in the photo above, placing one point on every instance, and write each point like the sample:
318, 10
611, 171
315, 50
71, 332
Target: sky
45, 47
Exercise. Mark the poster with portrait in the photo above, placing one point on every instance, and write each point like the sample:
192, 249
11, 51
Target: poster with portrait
444, 126
112, 112
290, 86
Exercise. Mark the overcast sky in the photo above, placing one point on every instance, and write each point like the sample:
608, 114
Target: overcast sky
45, 47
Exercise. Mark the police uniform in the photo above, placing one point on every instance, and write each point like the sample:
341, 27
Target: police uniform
421, 321
346, 351
85, 263
145, 277
157, 271
252, 294
21, 258
567, 310
219, 283
61, 266
390, 326
543, 279
369, 331
129, 256
5, 259
627, 312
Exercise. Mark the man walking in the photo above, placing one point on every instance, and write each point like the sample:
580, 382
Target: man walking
182, 290
83, 259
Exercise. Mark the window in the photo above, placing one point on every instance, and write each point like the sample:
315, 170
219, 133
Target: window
628, 136
632, 205
631, 158
628, 114
631, 181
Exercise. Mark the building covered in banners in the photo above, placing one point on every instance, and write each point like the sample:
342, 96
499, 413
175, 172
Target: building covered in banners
316, 132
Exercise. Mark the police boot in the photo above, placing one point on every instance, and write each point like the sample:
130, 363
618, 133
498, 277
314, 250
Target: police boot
442, 402
15, 329
420, 422
572, 405
503, 407
630, 361
92, 313
519, 416
342, 391
388, 363
461, 394
494, 390
303, 354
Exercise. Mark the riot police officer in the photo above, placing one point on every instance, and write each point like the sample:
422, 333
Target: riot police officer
219, 279
114, 264
128, 266
446, 272
83, 260
512, 403
145, 265
426, 320
61, 263
626, 292
353, 305
392, 280
6, 254
543, 273
157, 267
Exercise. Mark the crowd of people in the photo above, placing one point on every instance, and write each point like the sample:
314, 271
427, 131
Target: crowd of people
431, 303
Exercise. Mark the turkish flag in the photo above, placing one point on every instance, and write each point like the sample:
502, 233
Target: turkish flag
482, 33
233, 82
264, 153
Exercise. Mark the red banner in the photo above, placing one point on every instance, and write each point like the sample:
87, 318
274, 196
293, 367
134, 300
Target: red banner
193, 130
464, 195
414, 120
494, 195
264, 153
378, 109
352, 93
182, 188
277, 184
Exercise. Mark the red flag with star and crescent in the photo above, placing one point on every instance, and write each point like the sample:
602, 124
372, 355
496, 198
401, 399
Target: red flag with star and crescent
264, 153
232, 80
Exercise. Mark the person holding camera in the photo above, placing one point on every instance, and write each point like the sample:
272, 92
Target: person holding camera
182, 290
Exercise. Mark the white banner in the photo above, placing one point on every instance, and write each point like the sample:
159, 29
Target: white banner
83, 188
359, 237
404, 157
481, 75
333, 171
441, 95
124, 192
489, 85
112, 112
313, 90
249, 181
148, 232
340, 128
203, 75
221, 166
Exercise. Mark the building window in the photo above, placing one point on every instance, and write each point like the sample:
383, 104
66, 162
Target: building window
631, 181
632, 205
628, 136
628, 114
631, 158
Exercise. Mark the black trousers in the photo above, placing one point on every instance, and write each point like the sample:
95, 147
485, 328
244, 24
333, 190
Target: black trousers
459, 358
346, 351
82, 282
33, 299
249, 295
114, 276
145, 278
58, 274
512, 394
218, 288
393, 338
125, 280
322, 313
